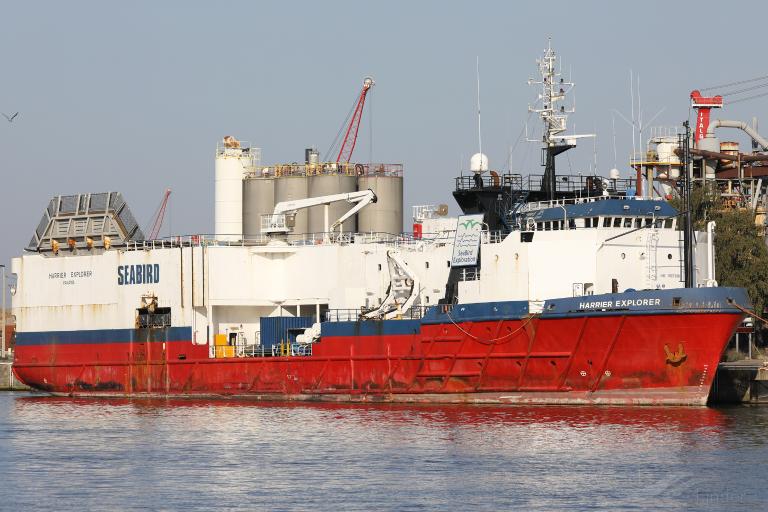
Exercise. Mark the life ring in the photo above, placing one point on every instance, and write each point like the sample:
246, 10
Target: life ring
359, 169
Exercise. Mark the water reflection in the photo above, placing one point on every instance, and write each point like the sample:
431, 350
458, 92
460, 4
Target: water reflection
235, 454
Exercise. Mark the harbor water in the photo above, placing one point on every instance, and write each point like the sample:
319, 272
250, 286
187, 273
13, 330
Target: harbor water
79, 454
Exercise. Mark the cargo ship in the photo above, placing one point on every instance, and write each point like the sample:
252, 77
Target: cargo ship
547, 289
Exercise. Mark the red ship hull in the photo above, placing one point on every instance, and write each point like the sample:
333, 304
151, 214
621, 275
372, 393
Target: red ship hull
634, 357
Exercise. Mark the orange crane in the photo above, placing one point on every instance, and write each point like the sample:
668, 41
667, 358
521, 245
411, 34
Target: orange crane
350, 137
157, 222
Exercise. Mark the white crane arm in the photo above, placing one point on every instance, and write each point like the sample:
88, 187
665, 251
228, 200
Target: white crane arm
366, 196
361, 203
285, 208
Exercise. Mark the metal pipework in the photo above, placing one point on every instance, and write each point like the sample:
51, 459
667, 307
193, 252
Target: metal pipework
741, 126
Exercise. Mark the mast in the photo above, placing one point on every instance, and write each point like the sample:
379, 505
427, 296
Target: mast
684, 141
554, 116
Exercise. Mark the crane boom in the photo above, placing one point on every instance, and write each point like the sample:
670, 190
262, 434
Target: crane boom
350, 136
276, 220
159, 215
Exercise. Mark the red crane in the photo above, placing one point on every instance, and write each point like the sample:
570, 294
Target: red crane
159, 216
703, 105
350, 137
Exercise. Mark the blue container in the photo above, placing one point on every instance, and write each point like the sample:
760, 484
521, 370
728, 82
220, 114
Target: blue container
276, 329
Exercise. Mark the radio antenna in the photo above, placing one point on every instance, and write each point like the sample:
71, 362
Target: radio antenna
479, 130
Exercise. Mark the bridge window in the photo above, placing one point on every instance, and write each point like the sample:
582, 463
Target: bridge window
628, 222
606, 222
638, 222
617, 222
648, 222
668, 223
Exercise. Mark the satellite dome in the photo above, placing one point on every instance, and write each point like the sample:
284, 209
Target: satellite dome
478, 163
614, 174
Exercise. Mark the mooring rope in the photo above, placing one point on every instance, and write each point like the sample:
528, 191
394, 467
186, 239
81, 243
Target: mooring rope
494, 341
748, 311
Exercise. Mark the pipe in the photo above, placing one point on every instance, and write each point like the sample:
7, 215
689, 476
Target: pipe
713, 155
711, 253
741, 126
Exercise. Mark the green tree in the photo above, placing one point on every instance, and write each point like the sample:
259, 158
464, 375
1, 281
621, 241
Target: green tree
741, 254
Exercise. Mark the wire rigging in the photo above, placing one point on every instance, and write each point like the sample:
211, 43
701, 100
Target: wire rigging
341, 129
739, 100
754, 87
740, 82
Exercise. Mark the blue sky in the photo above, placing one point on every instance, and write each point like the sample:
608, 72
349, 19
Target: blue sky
133, 96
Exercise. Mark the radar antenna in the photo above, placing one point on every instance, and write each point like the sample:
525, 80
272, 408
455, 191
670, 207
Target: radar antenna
555, 117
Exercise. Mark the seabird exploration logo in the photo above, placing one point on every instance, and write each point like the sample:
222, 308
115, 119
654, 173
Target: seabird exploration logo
138, 274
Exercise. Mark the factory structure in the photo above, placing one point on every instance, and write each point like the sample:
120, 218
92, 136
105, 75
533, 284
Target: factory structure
737, 175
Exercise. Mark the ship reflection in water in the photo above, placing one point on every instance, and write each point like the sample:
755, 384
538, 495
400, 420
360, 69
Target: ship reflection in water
195, 454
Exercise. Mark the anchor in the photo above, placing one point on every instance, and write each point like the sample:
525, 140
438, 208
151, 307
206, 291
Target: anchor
675, 358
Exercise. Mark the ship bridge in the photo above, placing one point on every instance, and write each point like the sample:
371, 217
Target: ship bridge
593, 212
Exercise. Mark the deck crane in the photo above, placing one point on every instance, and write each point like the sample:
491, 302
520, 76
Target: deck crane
350, 136
157, 221
277, 221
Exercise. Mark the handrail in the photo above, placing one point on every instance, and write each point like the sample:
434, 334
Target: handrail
324, 168
319, 238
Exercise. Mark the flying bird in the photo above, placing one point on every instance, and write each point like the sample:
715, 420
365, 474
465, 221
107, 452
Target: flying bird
9, 118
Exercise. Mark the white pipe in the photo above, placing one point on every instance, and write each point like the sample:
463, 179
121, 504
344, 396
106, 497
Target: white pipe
711, 253
741, 126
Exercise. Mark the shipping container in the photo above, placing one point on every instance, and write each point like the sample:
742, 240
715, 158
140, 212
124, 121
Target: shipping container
276, 329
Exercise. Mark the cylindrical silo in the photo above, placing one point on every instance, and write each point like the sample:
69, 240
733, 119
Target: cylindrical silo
231, 162
258, 200
710, 164
290, 188
386, 215
325, 185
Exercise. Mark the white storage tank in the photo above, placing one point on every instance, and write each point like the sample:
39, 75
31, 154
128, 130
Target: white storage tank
258, 200
232, 162
325, 185
386, 215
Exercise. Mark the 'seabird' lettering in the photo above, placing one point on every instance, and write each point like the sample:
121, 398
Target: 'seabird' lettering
138, 274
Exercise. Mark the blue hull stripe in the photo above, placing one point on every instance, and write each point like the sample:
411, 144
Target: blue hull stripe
371, 328
98, 336
648, 302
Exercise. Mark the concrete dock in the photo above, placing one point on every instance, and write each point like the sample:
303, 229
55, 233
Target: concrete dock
744, 381
8, 381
